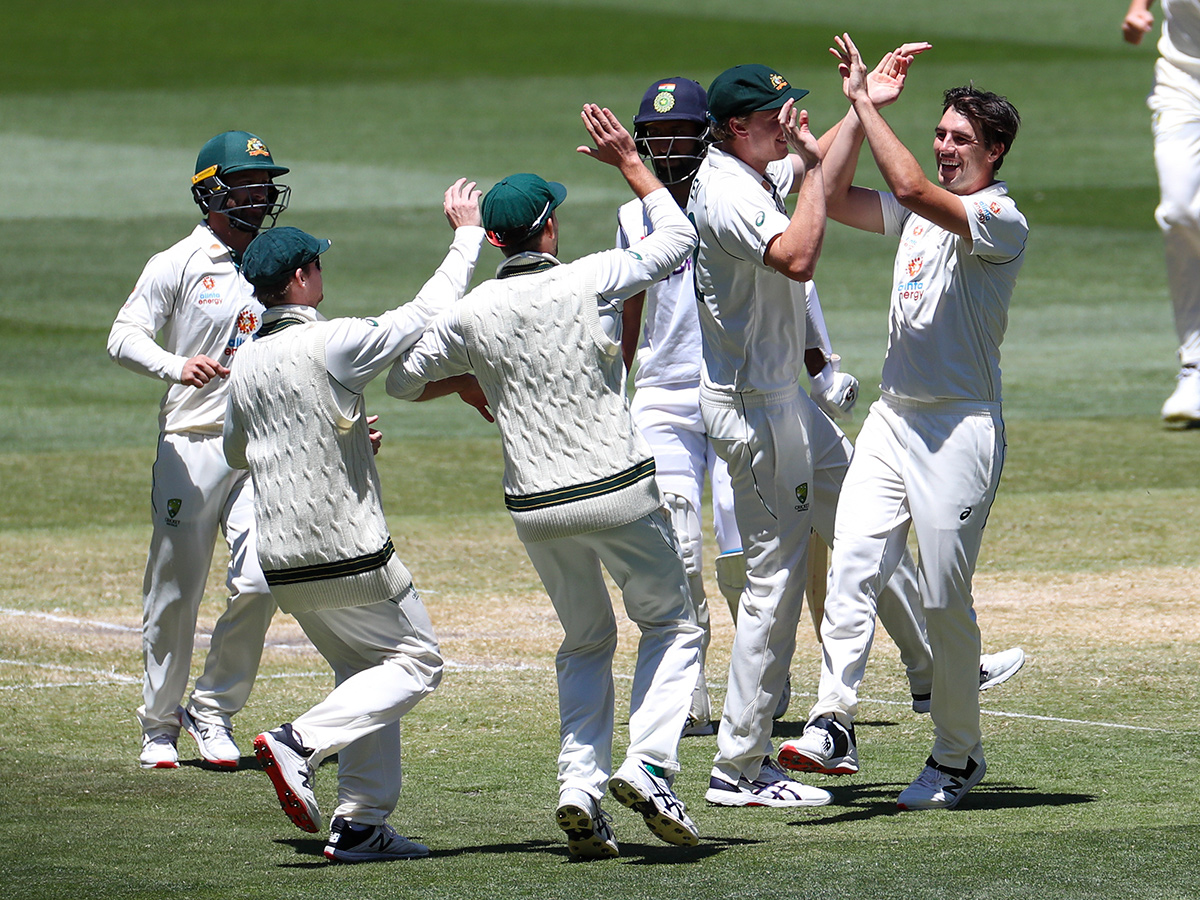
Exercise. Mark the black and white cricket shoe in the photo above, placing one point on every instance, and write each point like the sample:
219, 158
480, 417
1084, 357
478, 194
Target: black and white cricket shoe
771, 787
588, 828
826, 746
285, 760
351, 843
997, 668
215, 742
941, 787
640, 787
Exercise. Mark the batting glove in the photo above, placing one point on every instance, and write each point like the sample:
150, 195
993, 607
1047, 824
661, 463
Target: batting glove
835, 391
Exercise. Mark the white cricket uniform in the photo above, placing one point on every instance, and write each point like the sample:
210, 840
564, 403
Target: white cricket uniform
384, 654
1175, 106
929, 456
542, 378
195, 296
666, 410
752, 319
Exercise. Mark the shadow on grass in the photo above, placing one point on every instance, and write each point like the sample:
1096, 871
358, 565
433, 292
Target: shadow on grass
867, 801
631, 853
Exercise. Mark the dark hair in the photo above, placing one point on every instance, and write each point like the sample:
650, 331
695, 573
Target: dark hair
272, 294
993, 116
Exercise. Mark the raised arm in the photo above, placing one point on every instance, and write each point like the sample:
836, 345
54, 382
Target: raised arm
794, 252
1138, 21
859, 207
900, 169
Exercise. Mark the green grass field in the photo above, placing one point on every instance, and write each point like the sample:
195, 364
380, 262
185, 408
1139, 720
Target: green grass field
1090, 562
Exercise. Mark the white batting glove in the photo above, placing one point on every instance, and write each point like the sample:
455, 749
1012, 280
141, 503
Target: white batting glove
834, 391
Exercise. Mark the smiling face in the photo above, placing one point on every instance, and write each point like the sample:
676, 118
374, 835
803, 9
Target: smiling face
964, 163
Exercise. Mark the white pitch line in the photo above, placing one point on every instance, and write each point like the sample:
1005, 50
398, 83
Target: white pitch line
69, 620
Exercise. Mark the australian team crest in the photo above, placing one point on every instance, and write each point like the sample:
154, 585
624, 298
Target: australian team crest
802, 497
173, 506
255, 147
778, 81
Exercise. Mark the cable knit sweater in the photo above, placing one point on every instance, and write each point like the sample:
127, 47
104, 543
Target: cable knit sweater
322, 537
573, 462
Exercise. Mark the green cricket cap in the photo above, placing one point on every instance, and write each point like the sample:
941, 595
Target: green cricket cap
519, 206
235, 151
749, 88
275, 254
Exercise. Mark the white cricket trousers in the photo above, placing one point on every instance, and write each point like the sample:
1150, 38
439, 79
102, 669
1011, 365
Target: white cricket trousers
385, 658
899, 605
1175, 106
669, 419
764, 439
643, 560
194, 494
934, 467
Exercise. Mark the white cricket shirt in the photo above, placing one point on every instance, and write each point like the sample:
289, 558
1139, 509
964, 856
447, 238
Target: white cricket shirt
669, 347
949, 305
752, 318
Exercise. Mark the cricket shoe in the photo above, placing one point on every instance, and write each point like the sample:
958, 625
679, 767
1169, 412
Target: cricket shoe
997, 668
941, 787
285, 760
1183, 406
772, 787
694, 727
350, 843
994, 669
588, 827
826, 746
214, 741
159, 751
646, 790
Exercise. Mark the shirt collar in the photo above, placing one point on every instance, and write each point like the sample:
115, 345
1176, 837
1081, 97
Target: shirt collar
525, 264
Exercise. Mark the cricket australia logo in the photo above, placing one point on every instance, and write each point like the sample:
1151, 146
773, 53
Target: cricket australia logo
173, 507
778, 82
255, 147
802, 497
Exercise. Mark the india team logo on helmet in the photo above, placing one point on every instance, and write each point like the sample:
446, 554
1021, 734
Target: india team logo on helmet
671, 128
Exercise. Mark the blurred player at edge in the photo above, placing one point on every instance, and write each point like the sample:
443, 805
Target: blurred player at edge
194, 294
1175, 108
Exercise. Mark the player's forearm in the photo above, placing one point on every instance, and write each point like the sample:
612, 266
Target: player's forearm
131, 348
899, 168
448, 284
641, 180
841, 162
624, 273
794, 253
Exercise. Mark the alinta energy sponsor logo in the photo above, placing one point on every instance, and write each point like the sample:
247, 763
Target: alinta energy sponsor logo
910, 290
209, 295
914, 266
247, 322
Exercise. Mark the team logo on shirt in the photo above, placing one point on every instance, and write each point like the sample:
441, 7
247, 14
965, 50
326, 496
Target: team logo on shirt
802, 497
173, 506
247, 322
914, 266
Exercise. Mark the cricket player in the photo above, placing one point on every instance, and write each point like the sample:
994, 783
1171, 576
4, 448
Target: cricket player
543, 340
1175, 107
931, 449
195, 296
752, 267
297, 421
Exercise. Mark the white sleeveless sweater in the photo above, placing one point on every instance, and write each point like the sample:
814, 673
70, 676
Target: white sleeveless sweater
322, 537
573, 461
